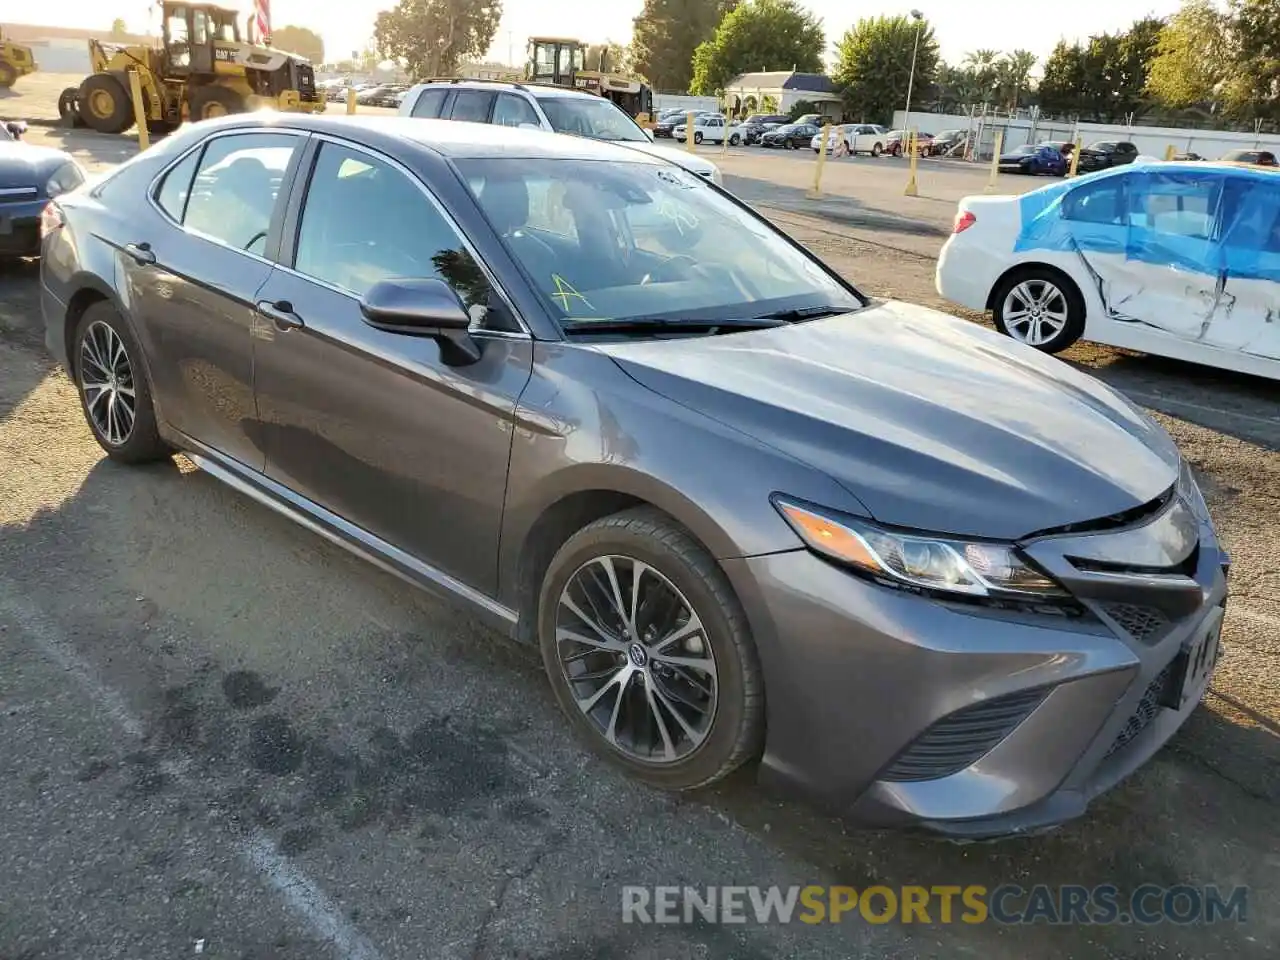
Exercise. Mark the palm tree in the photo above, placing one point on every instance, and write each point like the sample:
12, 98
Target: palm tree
1014, 76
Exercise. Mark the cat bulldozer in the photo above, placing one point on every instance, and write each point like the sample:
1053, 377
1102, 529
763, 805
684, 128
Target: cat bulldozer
561, 62
198, 69
16, 61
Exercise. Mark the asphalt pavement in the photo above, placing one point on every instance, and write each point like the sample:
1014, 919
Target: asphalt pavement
223, 736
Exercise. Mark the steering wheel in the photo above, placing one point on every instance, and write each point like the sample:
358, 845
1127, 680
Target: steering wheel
525, 238
666, 271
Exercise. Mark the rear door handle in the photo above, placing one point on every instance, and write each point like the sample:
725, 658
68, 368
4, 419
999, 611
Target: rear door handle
141, 253
280, 312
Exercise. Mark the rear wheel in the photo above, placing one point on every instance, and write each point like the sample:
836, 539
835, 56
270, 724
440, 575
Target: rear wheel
69, 107
104, 104
114, 393
649, 653
697, 136
735, 140
877, 149
1041, 308
8, 76
209, 102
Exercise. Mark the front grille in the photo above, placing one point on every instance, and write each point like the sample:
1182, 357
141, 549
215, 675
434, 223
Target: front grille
963, 738
1144, 624
1146, 711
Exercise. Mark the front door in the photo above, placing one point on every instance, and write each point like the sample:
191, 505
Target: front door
373, 425
1247, 314
193, 280
201, 42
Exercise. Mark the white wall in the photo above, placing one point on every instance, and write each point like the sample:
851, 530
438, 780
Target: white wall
61, 55
1152, 141
671, 101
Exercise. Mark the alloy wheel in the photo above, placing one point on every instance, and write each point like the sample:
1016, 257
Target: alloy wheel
106, 379
1035, 311
637, 659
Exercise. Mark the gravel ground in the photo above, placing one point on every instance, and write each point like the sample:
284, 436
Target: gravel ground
221, 731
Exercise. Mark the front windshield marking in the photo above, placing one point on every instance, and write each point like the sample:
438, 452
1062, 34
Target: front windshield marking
593, 117
613, 241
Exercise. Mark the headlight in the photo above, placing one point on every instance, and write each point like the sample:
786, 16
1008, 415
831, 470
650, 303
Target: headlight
65, 179
969, 567
1190, 492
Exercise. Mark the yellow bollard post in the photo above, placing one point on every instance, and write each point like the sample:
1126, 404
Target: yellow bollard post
1075, 158
995, 162
351, 100
1169, 152
688, 131
912, 189
139, 110
816, 193
724, 144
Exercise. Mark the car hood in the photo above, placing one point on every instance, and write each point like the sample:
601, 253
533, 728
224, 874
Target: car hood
1016, 157
930, 421
690, 161
26, 165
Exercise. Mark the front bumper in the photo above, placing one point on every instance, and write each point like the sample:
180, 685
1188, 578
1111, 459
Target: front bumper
20, 228
857, 674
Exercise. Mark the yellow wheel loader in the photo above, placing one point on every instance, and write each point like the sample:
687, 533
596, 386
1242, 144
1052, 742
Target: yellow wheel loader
199, 69
16, 61
560, 61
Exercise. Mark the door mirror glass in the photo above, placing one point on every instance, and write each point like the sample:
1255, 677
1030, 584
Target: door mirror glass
422, 307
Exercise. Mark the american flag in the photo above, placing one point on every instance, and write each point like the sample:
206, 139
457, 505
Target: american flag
262, 20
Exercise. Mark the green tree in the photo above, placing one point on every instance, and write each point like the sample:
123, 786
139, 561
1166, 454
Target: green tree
1013, 76
984, 67
801, 107
1255, 88
1193, 56
119, 30
299, 40
874, 65
432, 36
758, 35
666, 33
955, 89
1062, 87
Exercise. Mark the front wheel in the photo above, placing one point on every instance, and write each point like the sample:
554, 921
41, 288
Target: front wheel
697, 137
735, 140
877, 149
649, 653
1041, 308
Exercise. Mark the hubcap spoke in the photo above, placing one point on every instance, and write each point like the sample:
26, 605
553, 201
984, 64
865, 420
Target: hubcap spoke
637, 659
1035, 311
106, 380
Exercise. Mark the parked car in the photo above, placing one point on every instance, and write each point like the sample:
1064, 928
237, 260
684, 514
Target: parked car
666, 123
857, 138
946, 141
1252, 158
758, 124
896, 139
516, 368
555, 109
30, 176
709, 127
810, 119
1106, 154
1165, 258
790, 135
1042, 158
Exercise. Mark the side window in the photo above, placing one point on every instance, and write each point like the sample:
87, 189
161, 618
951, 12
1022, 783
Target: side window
1101, 203
176, 187
472, 105
1175, 208
511, 111
429, 103
235, 189
1250, 218
365, 221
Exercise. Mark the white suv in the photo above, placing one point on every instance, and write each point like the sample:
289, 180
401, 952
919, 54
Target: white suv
709, 126
557, 109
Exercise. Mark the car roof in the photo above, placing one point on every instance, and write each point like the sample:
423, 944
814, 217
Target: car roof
450, 138
519, 86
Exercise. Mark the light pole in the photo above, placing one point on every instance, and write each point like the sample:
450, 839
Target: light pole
918, 17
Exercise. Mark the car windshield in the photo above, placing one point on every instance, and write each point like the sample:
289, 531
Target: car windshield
606, 242
593, 117
1023, 150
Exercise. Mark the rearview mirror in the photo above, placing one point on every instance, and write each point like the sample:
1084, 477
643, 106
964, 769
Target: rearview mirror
423, 308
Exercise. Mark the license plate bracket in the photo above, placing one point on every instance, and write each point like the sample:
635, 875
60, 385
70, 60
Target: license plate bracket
1194, 662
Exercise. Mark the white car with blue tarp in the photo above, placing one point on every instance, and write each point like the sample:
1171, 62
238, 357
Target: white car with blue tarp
1170, 259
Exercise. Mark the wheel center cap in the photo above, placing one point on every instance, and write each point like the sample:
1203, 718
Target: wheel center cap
638, 656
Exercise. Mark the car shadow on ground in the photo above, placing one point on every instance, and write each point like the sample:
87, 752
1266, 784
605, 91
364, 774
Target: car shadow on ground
846, 211
189, 598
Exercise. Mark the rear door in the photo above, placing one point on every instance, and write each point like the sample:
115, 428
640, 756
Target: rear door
430, 103
1245, 314
193, 281
475, 106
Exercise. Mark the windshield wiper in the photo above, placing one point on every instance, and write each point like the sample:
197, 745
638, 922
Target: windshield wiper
796, 314
652, 324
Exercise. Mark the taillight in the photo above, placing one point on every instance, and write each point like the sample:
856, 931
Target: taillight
964, 220
51, 219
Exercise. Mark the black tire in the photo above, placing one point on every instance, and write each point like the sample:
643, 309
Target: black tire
8, 76
697, 136
143, 443
736, 731
208, 102
735, 140
105, 104
69, 107
1070, 295
877, 149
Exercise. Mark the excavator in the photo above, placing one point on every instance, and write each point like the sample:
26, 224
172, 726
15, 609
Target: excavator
199, 69
561, 62
16, 60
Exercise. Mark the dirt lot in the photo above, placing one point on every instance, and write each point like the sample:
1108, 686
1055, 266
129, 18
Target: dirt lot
220, 730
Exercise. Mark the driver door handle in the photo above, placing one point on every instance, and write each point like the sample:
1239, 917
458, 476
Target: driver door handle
280, 312
141, 253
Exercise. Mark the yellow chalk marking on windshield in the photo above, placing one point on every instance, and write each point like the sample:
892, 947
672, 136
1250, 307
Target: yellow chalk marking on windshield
681, 217
565, 292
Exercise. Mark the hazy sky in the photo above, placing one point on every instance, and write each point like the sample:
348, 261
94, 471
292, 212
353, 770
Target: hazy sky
961, 25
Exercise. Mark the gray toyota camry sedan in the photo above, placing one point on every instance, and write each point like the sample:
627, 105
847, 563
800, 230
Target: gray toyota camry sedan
747, 513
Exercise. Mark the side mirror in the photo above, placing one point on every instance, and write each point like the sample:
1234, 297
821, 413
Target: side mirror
423, 308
